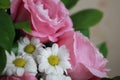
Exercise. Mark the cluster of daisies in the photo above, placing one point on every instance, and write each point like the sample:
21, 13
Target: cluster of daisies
49, 63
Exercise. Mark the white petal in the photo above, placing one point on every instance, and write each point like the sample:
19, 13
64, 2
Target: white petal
65, 65
39, 59
41, 79
20, 71
10, 57
26, 40
41, 68
59, 70
10, 71
43, 64
68, 78
57, 77
50, 70
44, 60
63, 50
13, 55
52, 77
35, 41
45, 52
49, 51
30, 65
55, 49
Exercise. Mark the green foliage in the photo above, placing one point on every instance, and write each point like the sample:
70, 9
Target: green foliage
2, 60
7, 32
49, 44
115, 78
103, 49
69, 3
86, 18
106, 79
24, 26
15, 48
86, 32
4, 4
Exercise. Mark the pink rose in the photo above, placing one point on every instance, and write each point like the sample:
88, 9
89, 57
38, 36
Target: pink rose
49, 18
95, 78
87, 62
26, 76
18, 12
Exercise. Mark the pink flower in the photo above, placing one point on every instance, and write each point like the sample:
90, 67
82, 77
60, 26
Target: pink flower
49, 18
18, 12
26, 76
95, 78
86, 60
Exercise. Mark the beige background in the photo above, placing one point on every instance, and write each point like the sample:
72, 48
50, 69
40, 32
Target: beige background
107, 30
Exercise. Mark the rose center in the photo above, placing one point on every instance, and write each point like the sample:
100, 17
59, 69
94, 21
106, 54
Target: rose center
19, 62
53, 60
29, 49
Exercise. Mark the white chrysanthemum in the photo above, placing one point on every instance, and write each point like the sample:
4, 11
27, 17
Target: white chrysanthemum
54, 60
30, 47
57, 77
18, 65
41, 79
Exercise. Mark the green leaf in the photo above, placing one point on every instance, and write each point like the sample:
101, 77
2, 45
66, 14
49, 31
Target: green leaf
23, 25
85, 32
69, 3
7, 31
116, 78
49, 44
15, 48
4, 4
103, 49
2, 60
86, 18
106, 79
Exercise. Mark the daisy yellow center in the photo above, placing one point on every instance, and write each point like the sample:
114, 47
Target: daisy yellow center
19, 62
53, 60
29, 49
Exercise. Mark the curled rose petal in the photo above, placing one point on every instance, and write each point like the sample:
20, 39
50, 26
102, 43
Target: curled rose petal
86, 60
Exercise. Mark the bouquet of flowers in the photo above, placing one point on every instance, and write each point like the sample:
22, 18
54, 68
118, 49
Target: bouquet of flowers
41, 41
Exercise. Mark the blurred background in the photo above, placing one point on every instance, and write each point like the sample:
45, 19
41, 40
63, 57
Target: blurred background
107, 30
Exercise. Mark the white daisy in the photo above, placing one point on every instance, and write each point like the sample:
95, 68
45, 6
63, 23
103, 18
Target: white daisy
54, 60
57, 77
41, 79
29, 46
18, 65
